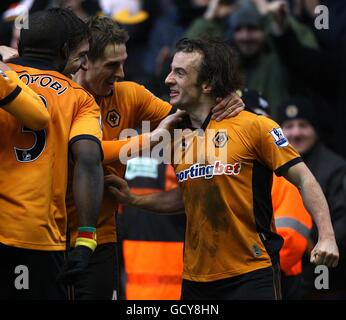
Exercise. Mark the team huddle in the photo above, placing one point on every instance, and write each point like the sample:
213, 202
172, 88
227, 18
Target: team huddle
63, 105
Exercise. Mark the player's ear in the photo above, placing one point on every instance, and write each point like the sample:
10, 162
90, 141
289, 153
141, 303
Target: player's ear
207, 88
65, 52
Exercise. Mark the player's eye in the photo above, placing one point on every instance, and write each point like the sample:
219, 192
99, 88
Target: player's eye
180, 72
83, 59
113, 65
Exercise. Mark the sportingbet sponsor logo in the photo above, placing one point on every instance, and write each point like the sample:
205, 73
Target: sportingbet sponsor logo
208, 171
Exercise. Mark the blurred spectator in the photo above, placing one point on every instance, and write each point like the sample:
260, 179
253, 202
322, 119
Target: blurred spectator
214, 22
9, 33
20, 8
129, 7
189, 10
263, 69
166, 31
332, 38
82, 8
138, 23
322, 71
300, 124
306, 11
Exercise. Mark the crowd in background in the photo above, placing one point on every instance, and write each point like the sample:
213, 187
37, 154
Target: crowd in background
289, 52
275, 65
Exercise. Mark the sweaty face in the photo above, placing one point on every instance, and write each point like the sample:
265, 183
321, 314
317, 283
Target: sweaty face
300, 133
249, 40
78, 59
182, 80
106, 70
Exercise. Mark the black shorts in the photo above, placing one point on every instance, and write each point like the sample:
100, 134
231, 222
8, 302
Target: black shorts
292, 287
262, 284
30, 274
100, 281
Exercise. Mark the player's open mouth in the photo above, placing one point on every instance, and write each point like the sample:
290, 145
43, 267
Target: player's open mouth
173, 93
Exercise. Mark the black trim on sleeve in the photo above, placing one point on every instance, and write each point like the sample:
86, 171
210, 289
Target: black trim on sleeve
262, 178
86, 137
281, 170
13, 95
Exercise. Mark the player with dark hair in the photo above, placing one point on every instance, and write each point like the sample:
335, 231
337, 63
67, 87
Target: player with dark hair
34, 167
218, 58
78, 43
231, 247
123, 105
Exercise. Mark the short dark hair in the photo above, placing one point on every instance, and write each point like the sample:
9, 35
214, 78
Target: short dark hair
51, 29
78, 29
103, 32
47, 34
219, 66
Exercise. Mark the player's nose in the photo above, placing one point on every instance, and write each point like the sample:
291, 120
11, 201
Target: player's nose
170, 79
119, 73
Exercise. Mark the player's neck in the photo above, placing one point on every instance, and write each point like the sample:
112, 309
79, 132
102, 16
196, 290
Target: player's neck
199, 112
55, 63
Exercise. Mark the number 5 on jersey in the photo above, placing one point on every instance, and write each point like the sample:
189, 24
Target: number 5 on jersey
33, 153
